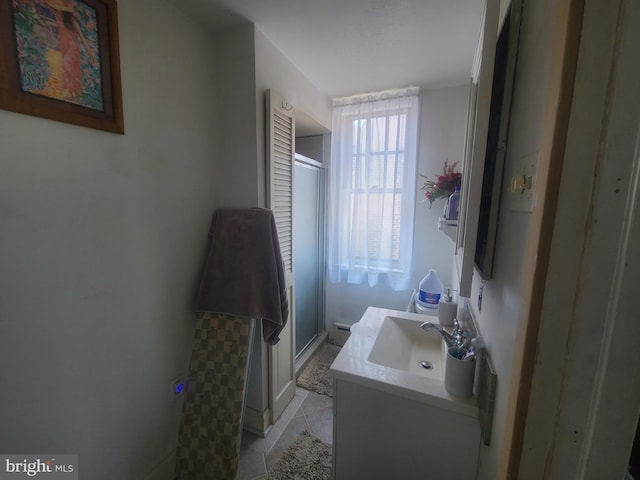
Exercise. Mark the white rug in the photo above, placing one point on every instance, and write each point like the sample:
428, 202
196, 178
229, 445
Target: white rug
315, 376
308, 458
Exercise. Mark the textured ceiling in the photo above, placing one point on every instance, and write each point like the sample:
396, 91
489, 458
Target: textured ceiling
354, 46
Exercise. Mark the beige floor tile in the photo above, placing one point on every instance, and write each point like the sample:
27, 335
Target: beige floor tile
295, 427
308, 410
252, 464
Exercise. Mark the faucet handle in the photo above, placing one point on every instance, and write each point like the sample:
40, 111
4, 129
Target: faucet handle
456, 327
460, 335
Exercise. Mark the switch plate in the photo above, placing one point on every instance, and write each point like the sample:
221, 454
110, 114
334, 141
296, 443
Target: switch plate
523, 199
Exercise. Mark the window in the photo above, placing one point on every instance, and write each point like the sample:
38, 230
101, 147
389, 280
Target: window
373, 190
376, 188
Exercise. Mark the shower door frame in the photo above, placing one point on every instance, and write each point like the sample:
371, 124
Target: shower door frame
307, 162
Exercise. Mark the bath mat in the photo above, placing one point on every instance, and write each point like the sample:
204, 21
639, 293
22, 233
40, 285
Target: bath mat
315, 376
308, 458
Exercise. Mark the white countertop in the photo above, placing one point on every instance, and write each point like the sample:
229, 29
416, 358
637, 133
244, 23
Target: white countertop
352, 365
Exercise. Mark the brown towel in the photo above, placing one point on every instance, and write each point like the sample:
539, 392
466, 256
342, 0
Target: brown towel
244, 274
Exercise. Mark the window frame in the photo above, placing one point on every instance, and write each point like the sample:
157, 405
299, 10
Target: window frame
393, 265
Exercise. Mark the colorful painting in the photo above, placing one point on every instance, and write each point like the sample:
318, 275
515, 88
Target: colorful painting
59, 59
57, 49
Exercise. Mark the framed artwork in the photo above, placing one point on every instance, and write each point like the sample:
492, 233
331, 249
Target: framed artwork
59, 59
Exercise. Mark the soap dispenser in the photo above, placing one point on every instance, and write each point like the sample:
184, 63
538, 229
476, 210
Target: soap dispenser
448, 309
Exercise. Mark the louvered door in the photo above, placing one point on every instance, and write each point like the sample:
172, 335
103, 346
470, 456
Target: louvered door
280, 157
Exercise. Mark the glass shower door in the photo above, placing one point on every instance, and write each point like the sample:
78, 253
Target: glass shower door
307, 251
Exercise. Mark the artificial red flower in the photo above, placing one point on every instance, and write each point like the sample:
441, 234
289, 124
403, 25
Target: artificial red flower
444, 186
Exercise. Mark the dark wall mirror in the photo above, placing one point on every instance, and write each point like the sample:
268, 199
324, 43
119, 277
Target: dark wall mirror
490, 100
498, 132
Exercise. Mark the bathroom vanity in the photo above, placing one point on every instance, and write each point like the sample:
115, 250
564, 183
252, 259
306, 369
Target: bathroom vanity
393, 417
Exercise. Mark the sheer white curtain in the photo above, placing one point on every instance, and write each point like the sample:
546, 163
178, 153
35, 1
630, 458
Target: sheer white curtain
372, 188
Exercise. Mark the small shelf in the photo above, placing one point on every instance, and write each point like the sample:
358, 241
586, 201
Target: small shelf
449, 227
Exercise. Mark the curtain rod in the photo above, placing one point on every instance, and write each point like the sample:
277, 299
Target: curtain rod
374, 96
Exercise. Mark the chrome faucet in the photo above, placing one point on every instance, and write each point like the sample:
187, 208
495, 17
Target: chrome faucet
453, 339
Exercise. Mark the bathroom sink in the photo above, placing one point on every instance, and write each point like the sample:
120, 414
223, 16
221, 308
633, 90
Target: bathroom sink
403, 345
385, 351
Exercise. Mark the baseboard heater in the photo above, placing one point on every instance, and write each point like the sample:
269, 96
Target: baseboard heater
341, 332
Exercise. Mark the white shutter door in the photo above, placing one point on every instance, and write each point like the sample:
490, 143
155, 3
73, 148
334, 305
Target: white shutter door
281, 192
280, 157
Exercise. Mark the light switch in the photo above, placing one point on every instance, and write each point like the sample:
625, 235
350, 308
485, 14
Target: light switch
178, 386
522, 184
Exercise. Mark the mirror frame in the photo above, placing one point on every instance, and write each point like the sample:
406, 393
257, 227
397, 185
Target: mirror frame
490, 98
499, 116
475, 146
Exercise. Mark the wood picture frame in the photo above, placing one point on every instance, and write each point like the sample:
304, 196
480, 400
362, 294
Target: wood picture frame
59, 59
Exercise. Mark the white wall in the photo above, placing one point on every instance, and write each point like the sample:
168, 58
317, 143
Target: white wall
102, 239
312, 147
235, 76
442, 132
500, 319
274, 71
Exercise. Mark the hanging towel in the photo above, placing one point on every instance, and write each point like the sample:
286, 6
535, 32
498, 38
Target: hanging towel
244, 273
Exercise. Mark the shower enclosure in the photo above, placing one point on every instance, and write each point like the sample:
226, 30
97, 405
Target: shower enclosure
308, 249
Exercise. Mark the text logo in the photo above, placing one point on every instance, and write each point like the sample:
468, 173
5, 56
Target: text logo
45, 467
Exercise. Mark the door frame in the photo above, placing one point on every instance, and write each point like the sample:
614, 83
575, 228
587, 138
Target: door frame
580, 297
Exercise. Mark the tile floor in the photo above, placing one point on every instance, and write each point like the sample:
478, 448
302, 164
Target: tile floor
307, 410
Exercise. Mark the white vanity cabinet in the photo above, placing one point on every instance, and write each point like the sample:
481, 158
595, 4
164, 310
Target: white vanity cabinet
378, 435
393, 420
